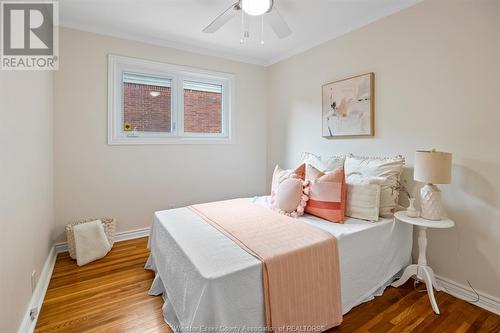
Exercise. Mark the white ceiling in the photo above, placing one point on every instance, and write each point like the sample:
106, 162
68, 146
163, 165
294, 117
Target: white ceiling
178, 23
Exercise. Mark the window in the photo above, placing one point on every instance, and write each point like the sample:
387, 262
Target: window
147, 103
157, 103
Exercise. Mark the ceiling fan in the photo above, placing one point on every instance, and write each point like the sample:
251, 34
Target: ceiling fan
252, 8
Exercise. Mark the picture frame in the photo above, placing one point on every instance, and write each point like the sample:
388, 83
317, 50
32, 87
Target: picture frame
348, 107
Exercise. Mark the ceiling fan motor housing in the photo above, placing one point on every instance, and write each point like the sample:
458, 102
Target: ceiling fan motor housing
273, 17
256, 7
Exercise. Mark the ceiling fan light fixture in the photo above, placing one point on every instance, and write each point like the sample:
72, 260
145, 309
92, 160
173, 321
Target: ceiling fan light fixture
256, 7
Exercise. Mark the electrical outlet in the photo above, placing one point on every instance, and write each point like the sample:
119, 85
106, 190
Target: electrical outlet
34, 280
33, 313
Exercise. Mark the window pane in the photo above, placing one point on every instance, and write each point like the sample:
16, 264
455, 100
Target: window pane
147, 103
202, 107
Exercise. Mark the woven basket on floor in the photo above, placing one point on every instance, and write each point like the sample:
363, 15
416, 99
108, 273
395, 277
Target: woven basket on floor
108, 224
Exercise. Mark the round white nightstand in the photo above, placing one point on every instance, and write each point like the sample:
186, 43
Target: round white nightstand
421, 270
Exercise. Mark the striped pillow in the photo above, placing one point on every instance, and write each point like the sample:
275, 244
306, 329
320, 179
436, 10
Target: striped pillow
363, 201
327, 196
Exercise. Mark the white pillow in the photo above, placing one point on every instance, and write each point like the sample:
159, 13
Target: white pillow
323, 164
384, 171
363, 201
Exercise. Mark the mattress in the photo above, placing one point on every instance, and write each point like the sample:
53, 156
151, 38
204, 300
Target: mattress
209, 283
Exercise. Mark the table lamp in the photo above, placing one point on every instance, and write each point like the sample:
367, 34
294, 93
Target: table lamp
432, 167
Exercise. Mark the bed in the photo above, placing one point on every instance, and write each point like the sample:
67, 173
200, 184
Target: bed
209, 283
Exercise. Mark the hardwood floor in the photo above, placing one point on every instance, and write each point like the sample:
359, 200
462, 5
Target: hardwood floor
111, 295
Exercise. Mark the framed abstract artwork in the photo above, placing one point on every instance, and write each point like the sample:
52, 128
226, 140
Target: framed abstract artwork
348, 108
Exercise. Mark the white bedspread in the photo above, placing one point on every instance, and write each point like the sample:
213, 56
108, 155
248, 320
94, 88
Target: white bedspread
209, 281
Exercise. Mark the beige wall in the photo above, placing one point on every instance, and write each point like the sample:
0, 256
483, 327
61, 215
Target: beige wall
437, 70
26, 198
131, 182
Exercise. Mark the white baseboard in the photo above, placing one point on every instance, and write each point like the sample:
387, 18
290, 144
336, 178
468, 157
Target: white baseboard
458, 290
28, 325
120, 236
132, 234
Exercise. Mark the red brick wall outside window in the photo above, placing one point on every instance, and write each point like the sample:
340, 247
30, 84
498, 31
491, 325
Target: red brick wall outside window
147, 113
202, 111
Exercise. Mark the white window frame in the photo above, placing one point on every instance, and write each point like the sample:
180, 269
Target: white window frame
117, 65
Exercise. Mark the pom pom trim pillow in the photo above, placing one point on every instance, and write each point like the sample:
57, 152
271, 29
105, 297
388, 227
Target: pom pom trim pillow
327, 194
279, 175
291, 196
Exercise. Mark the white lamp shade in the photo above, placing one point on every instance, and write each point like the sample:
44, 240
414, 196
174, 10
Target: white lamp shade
432, 167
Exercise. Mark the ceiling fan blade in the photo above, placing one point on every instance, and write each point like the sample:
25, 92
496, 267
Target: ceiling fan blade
222, 18
278, 24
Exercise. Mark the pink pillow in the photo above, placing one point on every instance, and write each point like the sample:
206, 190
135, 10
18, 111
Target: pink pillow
327, 196
279, 175
290, 197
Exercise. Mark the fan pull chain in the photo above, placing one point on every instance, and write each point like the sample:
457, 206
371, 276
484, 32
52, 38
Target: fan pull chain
262, 30
242, 40
244, 28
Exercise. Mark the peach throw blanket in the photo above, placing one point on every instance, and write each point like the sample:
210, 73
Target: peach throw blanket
300, 263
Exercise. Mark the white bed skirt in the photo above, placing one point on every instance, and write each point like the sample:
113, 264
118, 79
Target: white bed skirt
157, 289
210, 284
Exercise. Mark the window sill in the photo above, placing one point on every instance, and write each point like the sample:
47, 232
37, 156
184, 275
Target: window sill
167, 141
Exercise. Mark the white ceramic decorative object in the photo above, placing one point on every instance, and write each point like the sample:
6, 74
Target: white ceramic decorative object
430, 201
411, 211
